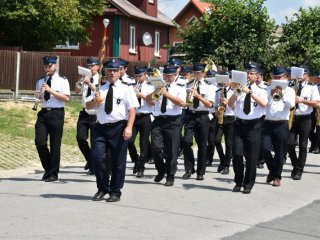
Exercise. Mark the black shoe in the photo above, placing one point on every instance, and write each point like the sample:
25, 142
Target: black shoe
225, 171
237, 188
159, 177
269, 178
311, 149
260, 166
297, 176
209, 164
220, 167
45, 176
246, 191
99, 196
187, 175
294, 172
316, 151
140, 174
113, 198
90, 172
169, 183
51, 179
86, 167
135, 168
200, 177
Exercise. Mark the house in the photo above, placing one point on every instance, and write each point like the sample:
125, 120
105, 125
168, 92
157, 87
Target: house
137, 31
194, 9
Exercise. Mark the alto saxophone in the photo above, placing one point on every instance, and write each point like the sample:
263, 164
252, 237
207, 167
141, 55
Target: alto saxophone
221, 109
318, 116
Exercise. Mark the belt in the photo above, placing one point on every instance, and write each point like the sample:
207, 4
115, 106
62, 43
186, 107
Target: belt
229, 117
142, 114
112, 124
167, 116
197, 112
302, 116
245, 121
52, 109
276, 121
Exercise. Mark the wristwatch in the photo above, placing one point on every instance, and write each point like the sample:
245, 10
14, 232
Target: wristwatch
250, 92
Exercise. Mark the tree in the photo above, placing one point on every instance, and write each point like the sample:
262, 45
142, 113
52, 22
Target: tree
42, 24
233, 32
300, 40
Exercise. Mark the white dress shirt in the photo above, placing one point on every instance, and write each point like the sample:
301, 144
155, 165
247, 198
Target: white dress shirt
207, 91
177, 90
228, 110
124, 99
59, 84
256, 110
280, 110
146, 89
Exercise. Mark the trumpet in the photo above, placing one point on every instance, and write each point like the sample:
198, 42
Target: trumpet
238, 91
190, 94
39, 98
156, 94
277, 97
80, 83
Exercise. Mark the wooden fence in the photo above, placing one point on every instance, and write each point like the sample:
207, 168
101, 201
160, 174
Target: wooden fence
19, 70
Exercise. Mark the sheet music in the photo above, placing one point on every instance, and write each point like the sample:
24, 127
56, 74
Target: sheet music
239, 77
84, 71
297, 72
222, 79
281, 83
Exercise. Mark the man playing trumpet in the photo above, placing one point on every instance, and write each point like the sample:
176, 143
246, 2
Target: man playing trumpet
276, 131
248, 108
87, 118
165, 128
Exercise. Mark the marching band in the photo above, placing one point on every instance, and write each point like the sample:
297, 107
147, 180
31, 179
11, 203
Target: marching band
260, 121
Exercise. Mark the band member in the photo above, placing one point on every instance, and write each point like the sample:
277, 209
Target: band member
307, 97
116, 109
248, 108
165, 129
87, 118
197, 122
276, 131
264, 85
212, 125
54, 90
142, 123
224, 128
123, 72
317, 133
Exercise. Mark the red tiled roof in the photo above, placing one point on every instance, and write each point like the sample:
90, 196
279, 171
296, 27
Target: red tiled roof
200, 6
130, 10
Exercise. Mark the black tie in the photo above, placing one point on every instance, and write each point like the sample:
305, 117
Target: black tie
225, 93
247, 103
46, 93
89, 89
196, 100
164, 103
299, 93
109, 100
139, 98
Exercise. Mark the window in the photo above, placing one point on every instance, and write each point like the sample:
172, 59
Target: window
151, 1
69, 45
176, 44
157, 44
190, 20
132, 48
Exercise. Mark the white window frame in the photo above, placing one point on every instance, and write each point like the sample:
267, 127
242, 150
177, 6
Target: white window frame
157, 43
151, 1
191, 19
68, 46
132, 40
177, 43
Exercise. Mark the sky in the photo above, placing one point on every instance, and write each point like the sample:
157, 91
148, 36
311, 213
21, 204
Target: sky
278, 9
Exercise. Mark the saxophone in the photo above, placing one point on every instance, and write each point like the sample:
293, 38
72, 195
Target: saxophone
293, 109
221, 109
318, 116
